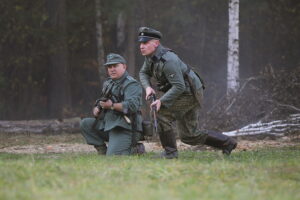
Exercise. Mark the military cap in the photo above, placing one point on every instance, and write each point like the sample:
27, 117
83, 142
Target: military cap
146, 34
113, 58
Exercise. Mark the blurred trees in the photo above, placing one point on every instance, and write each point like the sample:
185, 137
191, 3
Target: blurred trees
50, 69
59, 96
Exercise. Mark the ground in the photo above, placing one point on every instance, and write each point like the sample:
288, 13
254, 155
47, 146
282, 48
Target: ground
63, 143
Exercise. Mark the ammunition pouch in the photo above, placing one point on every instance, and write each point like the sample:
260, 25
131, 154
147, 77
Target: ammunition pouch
197, 92
147, 128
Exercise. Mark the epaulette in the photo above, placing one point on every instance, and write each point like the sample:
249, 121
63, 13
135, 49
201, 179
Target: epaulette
163, 54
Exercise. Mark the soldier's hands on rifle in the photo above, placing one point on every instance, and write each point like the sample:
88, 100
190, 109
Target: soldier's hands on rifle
106, 104
96, 111
156, 104
149, 91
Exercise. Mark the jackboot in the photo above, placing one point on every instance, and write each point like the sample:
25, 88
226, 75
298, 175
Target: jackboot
168, 142
139, 149
220, 141
101, 149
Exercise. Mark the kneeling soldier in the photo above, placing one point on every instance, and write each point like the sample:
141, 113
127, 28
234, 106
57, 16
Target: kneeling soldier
118, 119
182, 96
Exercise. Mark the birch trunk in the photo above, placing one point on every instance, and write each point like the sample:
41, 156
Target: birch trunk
100, 48
233, 48
275, 128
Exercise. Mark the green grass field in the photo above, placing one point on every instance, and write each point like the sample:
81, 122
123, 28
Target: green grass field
262, 174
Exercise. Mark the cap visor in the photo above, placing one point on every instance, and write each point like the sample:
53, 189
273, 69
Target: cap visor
144, 38
111, 63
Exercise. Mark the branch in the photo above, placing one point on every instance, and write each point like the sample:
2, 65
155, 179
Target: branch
284, 105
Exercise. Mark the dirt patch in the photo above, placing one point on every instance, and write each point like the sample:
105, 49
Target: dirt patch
243, 145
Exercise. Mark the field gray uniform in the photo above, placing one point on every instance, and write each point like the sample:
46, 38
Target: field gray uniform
178, 101
113, 128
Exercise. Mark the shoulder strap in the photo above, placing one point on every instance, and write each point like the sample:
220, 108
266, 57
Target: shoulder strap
163, 52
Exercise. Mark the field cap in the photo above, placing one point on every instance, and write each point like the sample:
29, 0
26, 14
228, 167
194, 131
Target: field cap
146, 34
113, 58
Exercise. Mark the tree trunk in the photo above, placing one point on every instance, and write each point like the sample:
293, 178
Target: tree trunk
59, 97
70, 125
274, 128
131, 45
233, 48
121, 33
99, 38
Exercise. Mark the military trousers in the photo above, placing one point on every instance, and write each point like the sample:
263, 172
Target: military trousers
119, 139
184, 112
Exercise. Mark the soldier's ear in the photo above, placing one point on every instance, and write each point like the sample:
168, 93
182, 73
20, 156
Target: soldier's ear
125, 66
157, 42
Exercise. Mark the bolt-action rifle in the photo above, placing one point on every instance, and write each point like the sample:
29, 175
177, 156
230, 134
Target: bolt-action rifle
153, 112
105, 95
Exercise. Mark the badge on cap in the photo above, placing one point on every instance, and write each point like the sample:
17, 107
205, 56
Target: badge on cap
142, 34
110, 56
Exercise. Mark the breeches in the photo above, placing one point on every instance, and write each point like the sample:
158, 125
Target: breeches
184, 112
119, 139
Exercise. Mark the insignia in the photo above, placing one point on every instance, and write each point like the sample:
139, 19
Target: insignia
171, 75
142, 34
110, 56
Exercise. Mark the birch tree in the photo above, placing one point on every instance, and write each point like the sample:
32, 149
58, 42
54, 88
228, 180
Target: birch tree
100, 48
233, 48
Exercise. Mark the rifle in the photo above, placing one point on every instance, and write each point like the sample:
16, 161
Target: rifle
105, 95
153, 111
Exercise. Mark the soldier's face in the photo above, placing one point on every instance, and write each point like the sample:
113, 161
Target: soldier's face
148, 48
116, 71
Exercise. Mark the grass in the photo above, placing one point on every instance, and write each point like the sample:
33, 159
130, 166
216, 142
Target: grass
264, 174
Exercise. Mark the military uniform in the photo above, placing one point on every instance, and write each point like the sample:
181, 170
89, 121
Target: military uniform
119, 129
181, 101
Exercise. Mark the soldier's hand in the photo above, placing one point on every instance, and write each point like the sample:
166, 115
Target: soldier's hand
106, 104
149, 91
156, 104
96, 111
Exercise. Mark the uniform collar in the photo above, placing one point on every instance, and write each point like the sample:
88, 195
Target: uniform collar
157, 54
121, 78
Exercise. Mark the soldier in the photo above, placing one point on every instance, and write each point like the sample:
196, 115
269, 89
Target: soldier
182, 97
120, 120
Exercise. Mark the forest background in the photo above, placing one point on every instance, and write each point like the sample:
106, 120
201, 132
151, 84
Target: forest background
48, 48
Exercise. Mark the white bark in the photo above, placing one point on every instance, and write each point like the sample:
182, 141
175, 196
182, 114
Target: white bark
233, 48
100, 48
276, 128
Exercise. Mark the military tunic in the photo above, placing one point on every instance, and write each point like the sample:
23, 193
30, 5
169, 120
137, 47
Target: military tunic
114, 127
178, 102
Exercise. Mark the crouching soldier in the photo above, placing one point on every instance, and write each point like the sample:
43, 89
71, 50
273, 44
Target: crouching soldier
118, 119
182, 95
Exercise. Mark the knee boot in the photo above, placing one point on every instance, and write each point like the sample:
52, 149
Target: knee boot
101, 149
138, 149
168, 142
220, 141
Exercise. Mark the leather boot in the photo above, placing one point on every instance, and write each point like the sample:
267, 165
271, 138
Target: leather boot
168, 142
220, 141
101, 149
139, 149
